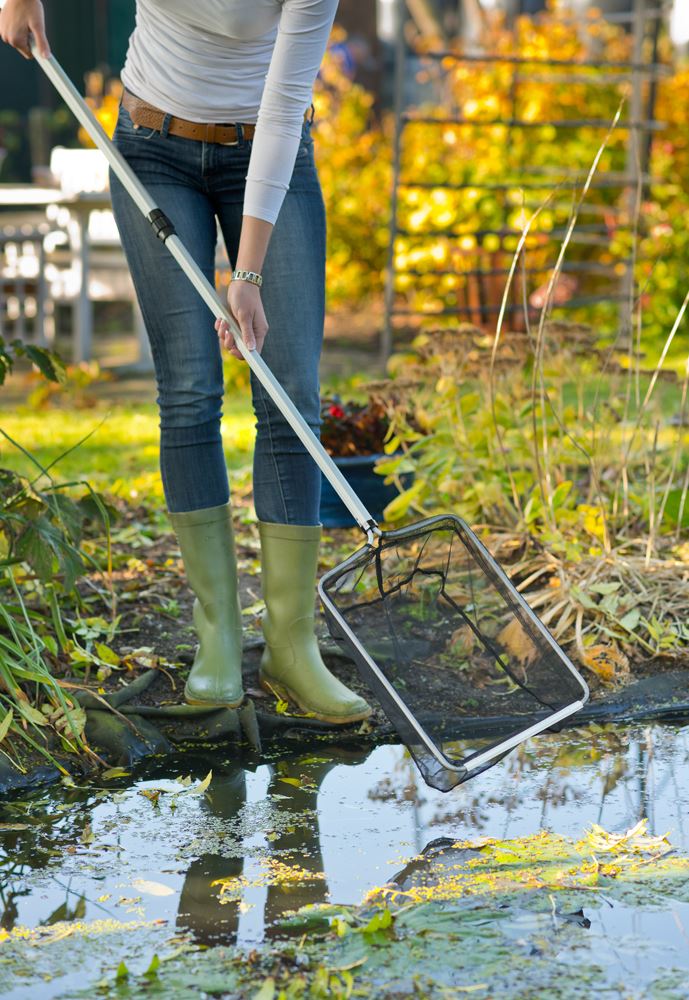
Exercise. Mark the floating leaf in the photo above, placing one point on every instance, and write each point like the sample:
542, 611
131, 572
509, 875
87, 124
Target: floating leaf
115, 772
152, 888
267, 991
200, 788
152, 794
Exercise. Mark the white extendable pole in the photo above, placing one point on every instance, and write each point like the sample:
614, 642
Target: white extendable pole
165, 229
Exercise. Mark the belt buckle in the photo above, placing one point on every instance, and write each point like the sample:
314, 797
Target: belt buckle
236, 141
211, 132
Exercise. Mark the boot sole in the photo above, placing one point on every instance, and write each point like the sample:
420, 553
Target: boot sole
287, 694
213, 704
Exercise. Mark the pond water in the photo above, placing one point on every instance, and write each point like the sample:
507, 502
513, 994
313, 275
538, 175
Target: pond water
195, 863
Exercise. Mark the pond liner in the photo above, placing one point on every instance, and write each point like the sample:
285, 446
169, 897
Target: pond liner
139, 731
661, 698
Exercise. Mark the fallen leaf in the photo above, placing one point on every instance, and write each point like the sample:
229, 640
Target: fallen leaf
152, 888
198, 789
516, 642
607, 662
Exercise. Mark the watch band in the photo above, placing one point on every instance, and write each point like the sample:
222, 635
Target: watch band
252, 276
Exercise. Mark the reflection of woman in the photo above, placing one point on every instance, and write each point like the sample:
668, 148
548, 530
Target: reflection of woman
295, 843
214, 121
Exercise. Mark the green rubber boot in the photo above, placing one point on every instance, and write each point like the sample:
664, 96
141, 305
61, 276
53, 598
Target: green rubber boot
291, 665
206, 541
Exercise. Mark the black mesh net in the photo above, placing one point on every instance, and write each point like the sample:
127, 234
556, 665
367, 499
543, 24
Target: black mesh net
460, 664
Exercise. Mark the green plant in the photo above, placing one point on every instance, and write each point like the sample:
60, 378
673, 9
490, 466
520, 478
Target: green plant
42, 554
581, 488
49, 363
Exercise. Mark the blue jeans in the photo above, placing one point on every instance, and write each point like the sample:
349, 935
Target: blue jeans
194, 183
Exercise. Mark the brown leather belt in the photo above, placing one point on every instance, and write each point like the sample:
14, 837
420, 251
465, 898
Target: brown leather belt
145, 115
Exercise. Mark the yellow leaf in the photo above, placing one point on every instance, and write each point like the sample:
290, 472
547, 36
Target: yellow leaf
115, 772
607, 662
200, 788
107, 654
516, 642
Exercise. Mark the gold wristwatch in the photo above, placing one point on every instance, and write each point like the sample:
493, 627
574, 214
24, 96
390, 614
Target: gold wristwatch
251, 276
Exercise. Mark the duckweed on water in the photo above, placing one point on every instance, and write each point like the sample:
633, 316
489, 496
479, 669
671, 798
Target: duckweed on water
484, 917
245, 885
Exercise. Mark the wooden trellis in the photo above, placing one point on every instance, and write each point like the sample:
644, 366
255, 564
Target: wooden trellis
483, 285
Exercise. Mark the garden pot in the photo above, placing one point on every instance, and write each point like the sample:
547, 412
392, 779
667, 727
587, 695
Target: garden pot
370, 487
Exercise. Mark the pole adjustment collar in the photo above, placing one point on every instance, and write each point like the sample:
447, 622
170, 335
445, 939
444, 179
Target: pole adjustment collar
162, 226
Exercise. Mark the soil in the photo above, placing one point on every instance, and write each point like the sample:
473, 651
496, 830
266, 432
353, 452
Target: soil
145, 625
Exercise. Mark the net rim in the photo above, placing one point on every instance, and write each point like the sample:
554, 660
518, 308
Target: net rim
480, 758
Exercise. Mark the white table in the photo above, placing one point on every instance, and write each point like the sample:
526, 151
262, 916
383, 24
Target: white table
80, 206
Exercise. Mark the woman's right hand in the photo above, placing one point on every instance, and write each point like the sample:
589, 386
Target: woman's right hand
18, 18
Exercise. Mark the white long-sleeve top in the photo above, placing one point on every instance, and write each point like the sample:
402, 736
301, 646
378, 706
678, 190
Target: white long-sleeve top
235, 61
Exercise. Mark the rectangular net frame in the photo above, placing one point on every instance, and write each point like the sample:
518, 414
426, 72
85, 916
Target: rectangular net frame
461, 665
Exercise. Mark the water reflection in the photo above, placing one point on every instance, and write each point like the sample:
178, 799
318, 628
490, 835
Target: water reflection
214, 892
322, 824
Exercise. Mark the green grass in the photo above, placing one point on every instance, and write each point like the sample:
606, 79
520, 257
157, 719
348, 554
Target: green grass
120, 453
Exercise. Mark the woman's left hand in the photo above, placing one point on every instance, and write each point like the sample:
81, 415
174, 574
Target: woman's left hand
244, 303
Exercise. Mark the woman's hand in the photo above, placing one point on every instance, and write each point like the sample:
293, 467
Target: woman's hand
18, 19
244, 303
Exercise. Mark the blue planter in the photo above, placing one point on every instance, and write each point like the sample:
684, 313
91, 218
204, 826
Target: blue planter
367, 484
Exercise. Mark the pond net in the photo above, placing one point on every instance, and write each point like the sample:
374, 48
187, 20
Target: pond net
462, 667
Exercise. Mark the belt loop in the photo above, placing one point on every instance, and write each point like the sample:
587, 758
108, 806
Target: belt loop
165, 126
240, 133
313, 112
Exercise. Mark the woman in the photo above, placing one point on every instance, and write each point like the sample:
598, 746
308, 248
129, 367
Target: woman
214, 120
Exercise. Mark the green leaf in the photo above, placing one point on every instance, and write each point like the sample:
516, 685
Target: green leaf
560, 493
585, 601
122, 972
267, 991
107, 654
398, 507
67, 513
379, 922
631, 619
33, 547
115, 772
6, 723
152, 971
32, 714
49, 364
604, 588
